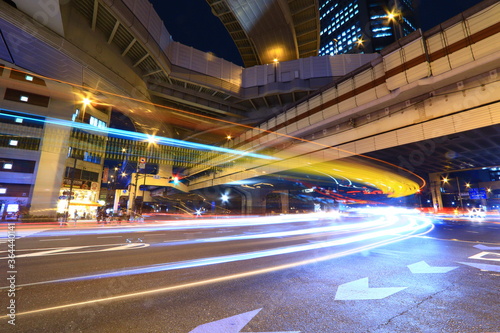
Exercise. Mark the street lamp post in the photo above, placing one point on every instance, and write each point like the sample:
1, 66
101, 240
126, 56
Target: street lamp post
66, 215
446, 180
141, 164
459, 194
275, 65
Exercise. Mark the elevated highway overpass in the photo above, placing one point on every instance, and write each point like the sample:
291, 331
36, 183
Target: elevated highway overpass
417, 94
406, 106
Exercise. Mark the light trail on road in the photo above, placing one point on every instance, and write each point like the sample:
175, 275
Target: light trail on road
415, 226
371, 230
190, 224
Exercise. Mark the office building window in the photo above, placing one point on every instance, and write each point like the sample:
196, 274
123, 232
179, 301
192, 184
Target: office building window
14, 165
26, 97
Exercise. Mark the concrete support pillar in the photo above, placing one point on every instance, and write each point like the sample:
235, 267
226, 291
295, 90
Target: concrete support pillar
50, 170
435, 187
285, 202
254, 200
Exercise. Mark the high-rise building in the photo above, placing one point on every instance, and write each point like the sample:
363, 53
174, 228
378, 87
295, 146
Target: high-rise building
363, 26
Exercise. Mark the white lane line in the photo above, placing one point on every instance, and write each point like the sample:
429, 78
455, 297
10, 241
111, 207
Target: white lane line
109, 236
55, 239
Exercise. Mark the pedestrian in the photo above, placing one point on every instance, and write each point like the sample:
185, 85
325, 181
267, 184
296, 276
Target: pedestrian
120, 216
98, 217
62, 219
75, 218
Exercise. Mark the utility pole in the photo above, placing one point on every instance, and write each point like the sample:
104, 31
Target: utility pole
141, 164
459, 194
70, 187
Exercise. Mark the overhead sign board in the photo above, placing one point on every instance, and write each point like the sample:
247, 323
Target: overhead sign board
477, 193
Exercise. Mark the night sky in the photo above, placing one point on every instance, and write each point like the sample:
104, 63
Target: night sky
192, 23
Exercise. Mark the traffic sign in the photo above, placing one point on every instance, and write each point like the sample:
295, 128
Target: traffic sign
477, 193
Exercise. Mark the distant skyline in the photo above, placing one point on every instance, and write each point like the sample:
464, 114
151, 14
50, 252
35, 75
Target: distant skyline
192, 23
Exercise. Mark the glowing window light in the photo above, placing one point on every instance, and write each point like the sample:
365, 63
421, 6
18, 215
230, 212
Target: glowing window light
23, 98
28, 78
13, 142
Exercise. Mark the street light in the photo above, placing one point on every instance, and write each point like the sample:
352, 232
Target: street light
446, 181
335, 49
276, 62
395, 17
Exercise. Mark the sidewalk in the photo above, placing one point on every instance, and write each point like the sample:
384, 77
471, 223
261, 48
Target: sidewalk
70, 224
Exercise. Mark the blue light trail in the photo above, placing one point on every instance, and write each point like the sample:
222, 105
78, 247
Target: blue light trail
140, 136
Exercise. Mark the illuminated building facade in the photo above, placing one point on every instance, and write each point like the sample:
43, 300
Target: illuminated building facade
51, 159
363, 26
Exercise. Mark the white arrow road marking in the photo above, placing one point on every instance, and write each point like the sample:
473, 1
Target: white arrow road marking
423, 267
483, 267
482, 255
232, 324
486, 248
359, 290
73, 249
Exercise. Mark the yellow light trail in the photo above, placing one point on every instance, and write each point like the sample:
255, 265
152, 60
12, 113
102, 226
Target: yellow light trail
423, 182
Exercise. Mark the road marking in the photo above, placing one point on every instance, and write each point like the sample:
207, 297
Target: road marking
483, 267
482, 255
449, 240
423, 267
54, 239
156, 235
359, 290
486, 248
232, 324
79, 249
109, 236
231, 277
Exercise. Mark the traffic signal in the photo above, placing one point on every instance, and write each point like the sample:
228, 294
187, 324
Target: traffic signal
174, 179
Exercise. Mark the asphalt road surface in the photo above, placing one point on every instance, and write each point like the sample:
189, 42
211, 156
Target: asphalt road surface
366, 272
